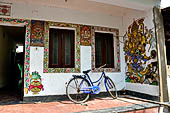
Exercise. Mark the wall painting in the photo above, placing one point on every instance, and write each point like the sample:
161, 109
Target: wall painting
85, 32
5, 9
37, 33
141, 54
35, 84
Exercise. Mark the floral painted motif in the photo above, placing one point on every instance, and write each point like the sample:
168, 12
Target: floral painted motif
5, 9
46, 49
116, 46
27, 46
37, 33
140, 54
85, 35
35, 83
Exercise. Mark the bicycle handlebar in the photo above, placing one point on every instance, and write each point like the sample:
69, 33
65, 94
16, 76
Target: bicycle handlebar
102, 66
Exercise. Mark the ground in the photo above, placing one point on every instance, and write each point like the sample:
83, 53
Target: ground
96, 105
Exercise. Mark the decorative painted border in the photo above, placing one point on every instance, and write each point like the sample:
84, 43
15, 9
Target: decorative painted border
27, 46
116, 49
46, 48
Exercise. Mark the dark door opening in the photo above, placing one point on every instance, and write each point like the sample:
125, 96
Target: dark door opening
166, 21
11, 63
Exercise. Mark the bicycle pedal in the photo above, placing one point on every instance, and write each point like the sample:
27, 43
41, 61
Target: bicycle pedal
84, 104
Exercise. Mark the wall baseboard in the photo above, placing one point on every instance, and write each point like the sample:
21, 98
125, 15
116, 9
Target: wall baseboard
142, 95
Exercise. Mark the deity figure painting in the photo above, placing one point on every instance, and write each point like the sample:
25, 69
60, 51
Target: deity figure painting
141, 54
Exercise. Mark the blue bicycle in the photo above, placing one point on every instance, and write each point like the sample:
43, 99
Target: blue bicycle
80, 87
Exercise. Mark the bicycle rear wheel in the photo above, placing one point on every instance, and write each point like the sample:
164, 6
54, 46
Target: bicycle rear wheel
74, 90
110, 87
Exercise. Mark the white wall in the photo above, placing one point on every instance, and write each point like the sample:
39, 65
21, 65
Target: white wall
57, 14
143, 88
101, 15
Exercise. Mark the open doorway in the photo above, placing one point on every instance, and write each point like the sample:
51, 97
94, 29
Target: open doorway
166, 21
11, 63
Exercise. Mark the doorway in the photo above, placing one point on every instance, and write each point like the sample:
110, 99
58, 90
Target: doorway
12, 40
166, 21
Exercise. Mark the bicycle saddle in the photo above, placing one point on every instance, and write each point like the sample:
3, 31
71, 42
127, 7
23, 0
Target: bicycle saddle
85, 72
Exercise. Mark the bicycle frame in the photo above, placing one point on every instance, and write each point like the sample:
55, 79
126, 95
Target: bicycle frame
99, 80
92, 89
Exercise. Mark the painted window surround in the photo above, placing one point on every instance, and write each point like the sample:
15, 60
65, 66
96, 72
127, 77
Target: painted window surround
116, 47
75, 27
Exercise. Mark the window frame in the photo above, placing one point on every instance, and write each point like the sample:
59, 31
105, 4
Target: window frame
75, 27
61, 60
116, 48
103, 56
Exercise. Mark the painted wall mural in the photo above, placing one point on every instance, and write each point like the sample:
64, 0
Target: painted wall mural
35, 85
141, 54
116, 50
5, 9
46, 48
27, 46
37, 33
85, 35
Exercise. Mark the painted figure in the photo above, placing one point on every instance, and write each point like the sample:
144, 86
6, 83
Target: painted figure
37, 33
35, 83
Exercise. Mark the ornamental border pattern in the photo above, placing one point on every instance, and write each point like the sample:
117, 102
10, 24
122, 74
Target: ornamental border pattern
27, 46
46, 69
117, 63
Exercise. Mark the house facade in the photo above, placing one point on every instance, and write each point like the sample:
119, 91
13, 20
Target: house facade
63, 38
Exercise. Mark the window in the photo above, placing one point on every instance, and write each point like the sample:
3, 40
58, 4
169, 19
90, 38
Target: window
61, 44
104, 51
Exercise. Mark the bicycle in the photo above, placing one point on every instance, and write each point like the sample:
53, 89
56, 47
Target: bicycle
80, 87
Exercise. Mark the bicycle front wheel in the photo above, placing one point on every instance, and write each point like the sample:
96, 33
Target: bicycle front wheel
110, 87
74, 90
